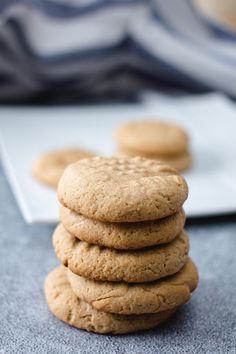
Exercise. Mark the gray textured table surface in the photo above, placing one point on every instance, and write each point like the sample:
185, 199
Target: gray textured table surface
205, 325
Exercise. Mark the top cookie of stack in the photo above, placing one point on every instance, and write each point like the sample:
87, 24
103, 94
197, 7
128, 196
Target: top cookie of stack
155, 140
128, 189
123, 243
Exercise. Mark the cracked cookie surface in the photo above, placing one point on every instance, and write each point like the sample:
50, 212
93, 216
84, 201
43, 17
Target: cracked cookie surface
101, 263
124, 298
50, 166
64, 304
122, 235
122, 189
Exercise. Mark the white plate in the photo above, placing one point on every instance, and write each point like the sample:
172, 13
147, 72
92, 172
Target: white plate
209, 119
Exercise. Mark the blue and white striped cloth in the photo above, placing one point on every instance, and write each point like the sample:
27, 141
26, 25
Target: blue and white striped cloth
83, 47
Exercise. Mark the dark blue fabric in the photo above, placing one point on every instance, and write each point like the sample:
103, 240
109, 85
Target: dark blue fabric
131, 36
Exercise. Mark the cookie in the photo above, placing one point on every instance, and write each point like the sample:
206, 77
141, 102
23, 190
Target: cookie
67, 307
123, 235
125, 299
50, 166
101, 263
152, 138
122, 189
181, 162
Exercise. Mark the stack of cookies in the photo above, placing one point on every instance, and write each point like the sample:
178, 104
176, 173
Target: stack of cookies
155, 140
124, 253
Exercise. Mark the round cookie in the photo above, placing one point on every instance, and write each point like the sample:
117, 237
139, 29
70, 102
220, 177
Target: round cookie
67, 307
125, 299
122, 189
50, 166
123, 235
180, 162
101, 263
152, 138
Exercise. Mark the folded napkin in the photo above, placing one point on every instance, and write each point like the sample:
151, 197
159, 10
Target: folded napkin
78, 48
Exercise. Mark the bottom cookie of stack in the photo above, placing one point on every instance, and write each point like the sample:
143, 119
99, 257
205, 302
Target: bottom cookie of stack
64, 304
166, 295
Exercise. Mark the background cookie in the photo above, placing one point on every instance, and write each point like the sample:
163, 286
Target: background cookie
180, 162
124, 298
50, 166
123, 235
101, 263
122, 189
152, 138
67, 307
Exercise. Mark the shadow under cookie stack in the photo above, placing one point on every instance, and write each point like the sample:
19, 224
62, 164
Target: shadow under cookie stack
124, 253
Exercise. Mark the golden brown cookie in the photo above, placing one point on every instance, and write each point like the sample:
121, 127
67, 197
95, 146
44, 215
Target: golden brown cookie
181, 162
152, 138
101, 263
122, 189
50, 166
123, 235
125, 299
67, 307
